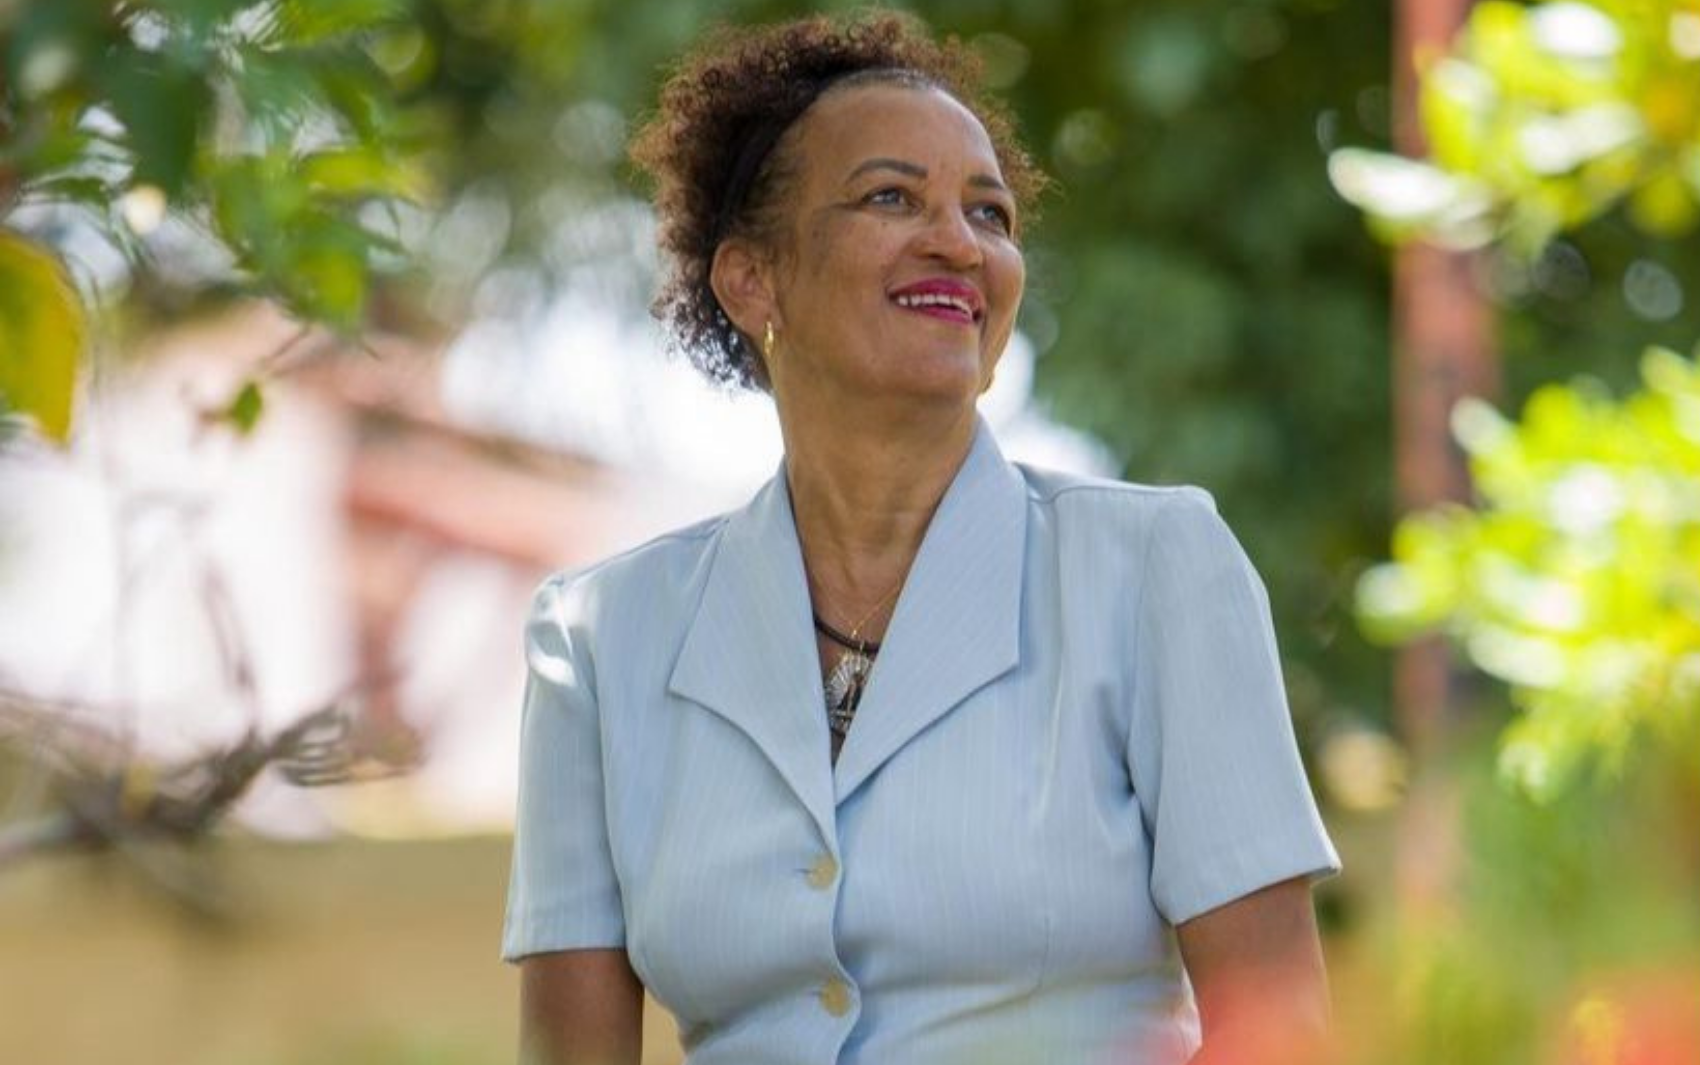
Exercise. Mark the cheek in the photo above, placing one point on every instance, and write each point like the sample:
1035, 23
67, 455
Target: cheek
1011, 280
837, 257
1015, 267
1018, 282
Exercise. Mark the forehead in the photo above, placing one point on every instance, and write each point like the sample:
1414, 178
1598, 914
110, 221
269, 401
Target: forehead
925, 126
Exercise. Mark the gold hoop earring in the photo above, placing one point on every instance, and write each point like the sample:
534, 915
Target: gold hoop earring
767, 342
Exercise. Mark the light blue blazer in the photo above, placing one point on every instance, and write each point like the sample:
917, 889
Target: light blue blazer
1074, 738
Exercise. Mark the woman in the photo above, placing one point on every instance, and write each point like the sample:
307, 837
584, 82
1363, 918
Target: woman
1023, 786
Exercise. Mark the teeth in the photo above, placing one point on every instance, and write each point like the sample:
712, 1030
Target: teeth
931, 299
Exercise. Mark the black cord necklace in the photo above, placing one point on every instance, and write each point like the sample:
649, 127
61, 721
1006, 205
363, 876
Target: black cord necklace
849, 643
848, 677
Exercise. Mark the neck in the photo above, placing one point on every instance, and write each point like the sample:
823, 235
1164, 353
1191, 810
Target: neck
862, 495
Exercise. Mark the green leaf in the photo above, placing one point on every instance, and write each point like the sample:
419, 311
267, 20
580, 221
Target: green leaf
1665, 206
1559, 129
162, 106
1577, 580
298, 244
95, 192
245, 408
327, 278
358, 172
354, 87
311, 21
41, 335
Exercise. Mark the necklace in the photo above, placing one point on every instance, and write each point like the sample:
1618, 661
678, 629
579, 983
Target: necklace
849, 676
850, 642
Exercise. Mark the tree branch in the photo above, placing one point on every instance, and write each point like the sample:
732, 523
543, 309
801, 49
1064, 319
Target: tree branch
106, 805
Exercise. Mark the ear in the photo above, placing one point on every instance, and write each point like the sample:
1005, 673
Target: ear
742, 278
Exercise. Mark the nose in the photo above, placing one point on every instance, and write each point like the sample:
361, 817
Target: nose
951, 238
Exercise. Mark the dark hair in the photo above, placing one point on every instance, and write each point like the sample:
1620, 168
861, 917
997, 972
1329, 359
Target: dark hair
726, 107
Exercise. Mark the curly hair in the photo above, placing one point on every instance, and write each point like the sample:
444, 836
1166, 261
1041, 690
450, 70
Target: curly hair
711, 149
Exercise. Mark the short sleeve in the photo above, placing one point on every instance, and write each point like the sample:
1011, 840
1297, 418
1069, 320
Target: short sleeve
562, 892
1211, 749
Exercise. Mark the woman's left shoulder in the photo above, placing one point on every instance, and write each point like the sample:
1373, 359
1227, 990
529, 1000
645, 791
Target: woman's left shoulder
1119, 528
1073, 495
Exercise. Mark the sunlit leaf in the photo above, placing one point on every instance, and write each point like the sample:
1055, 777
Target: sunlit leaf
244, 410
1406, 197
1665, 206
1577, 579
41, 335
328, 279
359, 172
1555, 113
312, 21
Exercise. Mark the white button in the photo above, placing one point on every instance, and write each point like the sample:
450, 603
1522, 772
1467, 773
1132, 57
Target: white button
835, 997
823, 872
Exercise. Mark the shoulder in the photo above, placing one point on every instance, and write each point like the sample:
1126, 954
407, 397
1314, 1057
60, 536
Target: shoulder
1073, 496
1166, 534
652, 574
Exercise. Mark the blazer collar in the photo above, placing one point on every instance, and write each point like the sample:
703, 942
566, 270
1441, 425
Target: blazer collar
750, 652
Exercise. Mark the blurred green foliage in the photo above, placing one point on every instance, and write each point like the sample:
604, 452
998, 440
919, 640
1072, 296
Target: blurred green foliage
1542, 117
1202, 302
1577, 578
1560, 910
1200, 298
265, 128
265, 131
1560, 927
1574, 226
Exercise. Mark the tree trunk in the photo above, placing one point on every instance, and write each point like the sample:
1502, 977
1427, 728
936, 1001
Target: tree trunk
1442, 352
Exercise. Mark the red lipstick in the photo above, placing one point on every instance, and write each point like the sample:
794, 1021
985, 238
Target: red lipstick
942, 297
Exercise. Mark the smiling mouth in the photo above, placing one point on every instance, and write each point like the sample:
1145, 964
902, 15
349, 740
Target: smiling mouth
940, 305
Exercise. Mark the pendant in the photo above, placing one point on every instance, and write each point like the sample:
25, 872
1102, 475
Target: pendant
844, 688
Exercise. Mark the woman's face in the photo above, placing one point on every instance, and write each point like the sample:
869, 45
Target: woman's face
900, 274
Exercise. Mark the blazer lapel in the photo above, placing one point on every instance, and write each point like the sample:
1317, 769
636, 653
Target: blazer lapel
957, 625
750, 653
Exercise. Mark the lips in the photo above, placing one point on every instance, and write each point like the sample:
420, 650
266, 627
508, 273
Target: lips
944, 298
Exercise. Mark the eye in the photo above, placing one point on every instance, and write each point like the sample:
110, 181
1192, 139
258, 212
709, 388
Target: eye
995, 215
888, 196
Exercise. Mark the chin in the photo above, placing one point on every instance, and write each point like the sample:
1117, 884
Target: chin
941, 379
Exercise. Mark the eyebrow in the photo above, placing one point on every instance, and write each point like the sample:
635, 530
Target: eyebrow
915, 170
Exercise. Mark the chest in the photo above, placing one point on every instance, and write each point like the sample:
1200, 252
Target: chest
1000, 847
